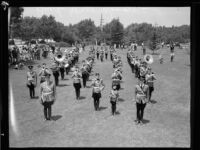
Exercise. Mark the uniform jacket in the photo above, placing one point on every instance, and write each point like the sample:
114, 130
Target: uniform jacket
142, 93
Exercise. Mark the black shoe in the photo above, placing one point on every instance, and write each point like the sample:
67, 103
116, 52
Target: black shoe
137, 122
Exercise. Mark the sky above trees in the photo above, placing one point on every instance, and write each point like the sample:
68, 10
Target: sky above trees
162, 16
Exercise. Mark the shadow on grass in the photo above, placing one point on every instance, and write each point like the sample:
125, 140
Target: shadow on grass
153, 101
88, 86
65, 79
102, 108
145, 121
56, 117
81, 97
117, 113
121, 100
36, 97
156, 53
61, 85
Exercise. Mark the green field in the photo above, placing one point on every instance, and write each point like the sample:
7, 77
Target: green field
76, 124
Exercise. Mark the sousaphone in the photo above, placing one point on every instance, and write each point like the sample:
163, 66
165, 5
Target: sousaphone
148, 58
59, 57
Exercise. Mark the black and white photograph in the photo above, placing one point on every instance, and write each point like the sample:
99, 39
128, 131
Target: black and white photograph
99, 77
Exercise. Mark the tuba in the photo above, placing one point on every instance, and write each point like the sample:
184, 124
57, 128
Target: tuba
148, 59
61, 59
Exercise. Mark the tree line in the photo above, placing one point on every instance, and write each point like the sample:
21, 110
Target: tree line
86, 31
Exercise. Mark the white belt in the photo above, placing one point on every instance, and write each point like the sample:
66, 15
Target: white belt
47, 93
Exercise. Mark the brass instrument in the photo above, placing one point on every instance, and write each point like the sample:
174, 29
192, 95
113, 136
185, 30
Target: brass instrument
148, 58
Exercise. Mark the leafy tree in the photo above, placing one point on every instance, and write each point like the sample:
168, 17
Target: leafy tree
15, 20
86, 28
116, 31
153, 42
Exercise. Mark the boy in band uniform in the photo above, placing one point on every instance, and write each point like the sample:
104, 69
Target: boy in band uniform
31, 81
141, 98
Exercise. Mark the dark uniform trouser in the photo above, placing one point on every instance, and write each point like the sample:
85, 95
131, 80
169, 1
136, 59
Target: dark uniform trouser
101, 58
96, 97
62, 71
144, 51
97, 55
136, 71
31, 90
111, 57
172, 57
85, 77
133, 68
106, 56
77, 87
151, 89
56, 75
47, 110
140, 110
113, 107
67, 70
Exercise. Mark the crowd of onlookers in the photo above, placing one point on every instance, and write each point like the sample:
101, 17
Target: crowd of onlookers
18, 55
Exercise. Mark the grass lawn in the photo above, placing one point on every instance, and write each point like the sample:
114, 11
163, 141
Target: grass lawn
76, 124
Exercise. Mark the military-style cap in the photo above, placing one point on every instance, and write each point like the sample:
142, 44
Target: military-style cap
30, 66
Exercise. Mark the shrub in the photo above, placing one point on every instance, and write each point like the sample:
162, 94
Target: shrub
62, 44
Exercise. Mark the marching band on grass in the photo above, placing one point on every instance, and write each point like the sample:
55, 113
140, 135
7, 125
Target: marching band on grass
64, 61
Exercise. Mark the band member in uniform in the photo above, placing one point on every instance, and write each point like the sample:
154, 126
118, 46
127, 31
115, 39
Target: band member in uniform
162, 44
116, 79
106, 52
62, 70
144, 49
135, 47
31, 81
77, 81
143, 70
42, 72
67, 68
150, 77
111, 53
101, 54
85, 73
48, 95
132, 64
172, 51
98, 86
141, 98
114, 95
97, 52
161, 59
55, 69
137, 64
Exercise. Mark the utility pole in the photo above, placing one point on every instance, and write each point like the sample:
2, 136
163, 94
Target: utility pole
101, 26
101, 23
